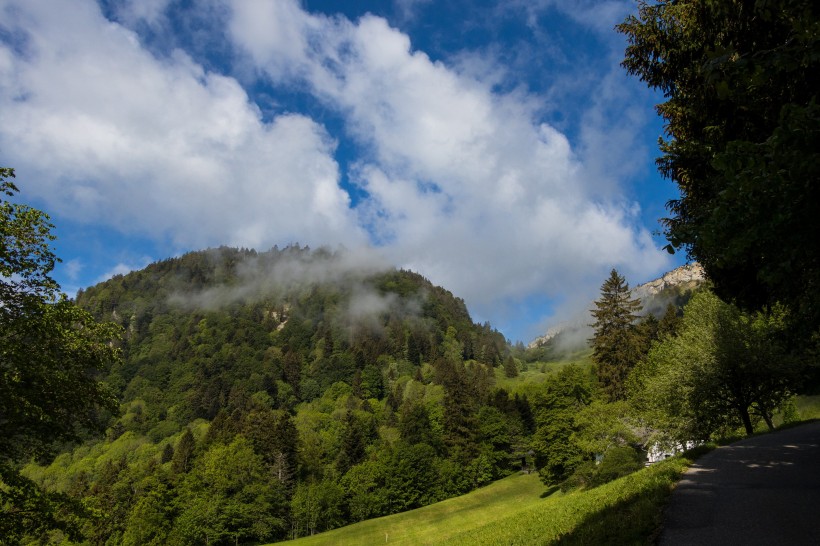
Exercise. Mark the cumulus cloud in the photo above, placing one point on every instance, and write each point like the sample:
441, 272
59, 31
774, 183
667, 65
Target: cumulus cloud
464, 183
456, 180
157, 146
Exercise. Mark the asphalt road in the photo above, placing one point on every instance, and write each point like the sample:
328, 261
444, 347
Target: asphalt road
762, 490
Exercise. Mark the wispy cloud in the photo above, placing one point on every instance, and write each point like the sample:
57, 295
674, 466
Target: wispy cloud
124, 268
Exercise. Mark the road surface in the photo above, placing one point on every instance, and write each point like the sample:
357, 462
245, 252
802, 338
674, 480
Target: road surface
762, 490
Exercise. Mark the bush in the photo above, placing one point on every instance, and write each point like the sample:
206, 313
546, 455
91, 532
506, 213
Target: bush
616, 463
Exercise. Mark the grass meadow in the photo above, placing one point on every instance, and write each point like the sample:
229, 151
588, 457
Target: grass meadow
808, 407
521, 510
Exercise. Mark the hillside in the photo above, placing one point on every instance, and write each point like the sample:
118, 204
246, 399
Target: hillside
273, 395
295, 317
276, 394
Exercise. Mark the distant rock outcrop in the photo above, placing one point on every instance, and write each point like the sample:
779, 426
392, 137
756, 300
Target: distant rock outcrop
655, 295
685, 277
554, 331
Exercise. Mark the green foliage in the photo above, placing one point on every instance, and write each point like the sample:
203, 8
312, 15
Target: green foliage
563, 396
229, 495
740, 83
51, 353
316, 507
26, 258
615, 463
183, 456
581, 440
149, 521
28, 510
600, 427
510, 367
615, 343
722, 368
365, 487
413, 480
49, 391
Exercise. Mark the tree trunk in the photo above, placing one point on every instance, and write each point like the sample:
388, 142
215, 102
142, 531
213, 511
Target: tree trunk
747, 420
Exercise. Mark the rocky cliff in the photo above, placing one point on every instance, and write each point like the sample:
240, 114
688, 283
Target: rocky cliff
655, 295
685, 277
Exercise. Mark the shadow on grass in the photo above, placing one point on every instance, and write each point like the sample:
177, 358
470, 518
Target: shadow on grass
549, 491
634, 520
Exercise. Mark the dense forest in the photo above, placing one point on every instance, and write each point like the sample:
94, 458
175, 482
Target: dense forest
277, 394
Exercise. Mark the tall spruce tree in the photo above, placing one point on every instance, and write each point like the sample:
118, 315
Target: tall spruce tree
615, 343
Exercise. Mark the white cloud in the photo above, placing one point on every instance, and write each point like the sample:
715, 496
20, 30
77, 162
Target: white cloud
73, 268
152, 12
464, 184
105, 131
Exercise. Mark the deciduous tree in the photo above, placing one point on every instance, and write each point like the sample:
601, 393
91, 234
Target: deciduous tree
723, 368
50, 354
740, 81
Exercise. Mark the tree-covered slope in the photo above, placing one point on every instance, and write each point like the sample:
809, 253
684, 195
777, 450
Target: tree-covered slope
276, 394
223, 323
272, 395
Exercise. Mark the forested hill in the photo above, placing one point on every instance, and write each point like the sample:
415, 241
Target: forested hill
211, 328
277, 394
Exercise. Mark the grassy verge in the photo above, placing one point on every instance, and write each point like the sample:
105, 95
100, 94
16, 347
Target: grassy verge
518, 510
808, 407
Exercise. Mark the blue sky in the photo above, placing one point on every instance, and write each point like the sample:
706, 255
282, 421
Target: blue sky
496, 147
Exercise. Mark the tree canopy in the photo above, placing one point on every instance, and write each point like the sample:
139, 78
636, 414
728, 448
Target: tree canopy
740, 79
723, 369
50, 354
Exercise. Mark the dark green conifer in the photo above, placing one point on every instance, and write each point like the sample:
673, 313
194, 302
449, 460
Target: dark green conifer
167, 453
615, 343
510, 367
184, 453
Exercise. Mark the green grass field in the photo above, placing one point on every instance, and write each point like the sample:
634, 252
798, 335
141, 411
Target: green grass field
808, 407
437, 523
518, 510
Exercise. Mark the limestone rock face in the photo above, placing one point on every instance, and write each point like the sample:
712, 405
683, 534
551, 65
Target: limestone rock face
685, 276
654, 296
552, 332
